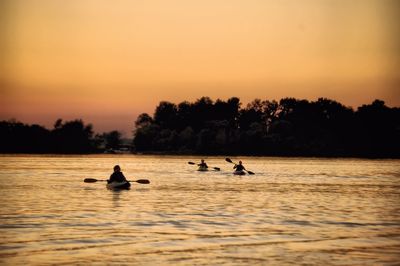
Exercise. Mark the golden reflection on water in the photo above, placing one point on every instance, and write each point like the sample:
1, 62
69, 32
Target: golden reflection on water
293, 211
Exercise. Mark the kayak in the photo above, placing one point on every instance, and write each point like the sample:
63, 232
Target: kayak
202, 169
241, 172
119, 185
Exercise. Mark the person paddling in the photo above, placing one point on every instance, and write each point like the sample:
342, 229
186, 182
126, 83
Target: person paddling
239, 167
203, 164
117, 176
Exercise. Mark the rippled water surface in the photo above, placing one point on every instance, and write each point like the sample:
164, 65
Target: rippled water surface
293, 211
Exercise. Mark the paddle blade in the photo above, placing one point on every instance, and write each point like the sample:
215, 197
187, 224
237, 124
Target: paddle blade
217, 168
191, 163
90, 180
228, 160
250, 172
142, 181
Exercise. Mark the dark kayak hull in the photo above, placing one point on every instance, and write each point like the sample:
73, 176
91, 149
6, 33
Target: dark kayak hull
239, 173
119, 185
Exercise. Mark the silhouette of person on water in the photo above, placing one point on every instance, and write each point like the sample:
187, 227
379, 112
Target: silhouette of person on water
203, 164
117, 176
239, 167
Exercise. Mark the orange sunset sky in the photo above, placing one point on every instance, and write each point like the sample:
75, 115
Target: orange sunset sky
108, 61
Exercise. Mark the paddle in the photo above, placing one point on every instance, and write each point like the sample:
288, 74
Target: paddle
93, 180
230, 161
216, 168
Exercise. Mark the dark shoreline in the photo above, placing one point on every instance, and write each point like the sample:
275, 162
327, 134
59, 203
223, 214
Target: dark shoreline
288, 128
156, 153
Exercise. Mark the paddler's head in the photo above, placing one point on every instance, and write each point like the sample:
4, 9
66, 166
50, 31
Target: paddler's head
117, 168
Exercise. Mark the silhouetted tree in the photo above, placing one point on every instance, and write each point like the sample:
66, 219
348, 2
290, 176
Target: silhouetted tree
112, 140
16, 137
291, 127
69, 137
143, 120
378, 130
72, 137
203, 111
166, 115
145, 133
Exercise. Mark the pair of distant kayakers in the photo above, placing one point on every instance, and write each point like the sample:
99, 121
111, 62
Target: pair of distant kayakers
238, 167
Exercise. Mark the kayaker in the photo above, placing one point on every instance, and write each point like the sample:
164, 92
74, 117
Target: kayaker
117, 176
239, 167
203, 164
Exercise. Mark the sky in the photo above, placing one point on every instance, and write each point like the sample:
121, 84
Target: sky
107, 61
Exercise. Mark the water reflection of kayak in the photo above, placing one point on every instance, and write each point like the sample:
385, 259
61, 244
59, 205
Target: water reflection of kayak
119, 185
241, 172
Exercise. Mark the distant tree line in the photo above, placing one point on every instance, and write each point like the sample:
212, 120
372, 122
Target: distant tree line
71, 137
290, 127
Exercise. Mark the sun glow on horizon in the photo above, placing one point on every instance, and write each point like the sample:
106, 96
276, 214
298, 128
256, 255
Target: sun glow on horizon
94, 59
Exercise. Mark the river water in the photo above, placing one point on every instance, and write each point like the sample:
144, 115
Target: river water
302, 211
